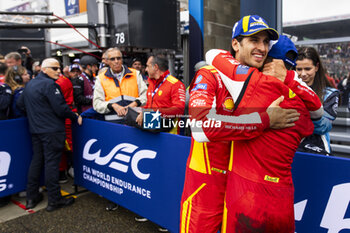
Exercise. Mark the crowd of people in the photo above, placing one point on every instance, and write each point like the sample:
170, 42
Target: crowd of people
268, 109
336, 64
335, 58
52, 98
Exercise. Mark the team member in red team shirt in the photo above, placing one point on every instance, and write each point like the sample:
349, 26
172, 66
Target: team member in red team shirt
67, 91
205, 182
260, 193
165, 93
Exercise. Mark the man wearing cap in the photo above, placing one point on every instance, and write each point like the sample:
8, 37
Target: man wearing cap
207, 165
74, 71
83, 86
259, 193
283, 49
76, 61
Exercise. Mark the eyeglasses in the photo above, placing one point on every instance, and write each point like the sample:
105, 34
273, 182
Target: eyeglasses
114, 58
54, 68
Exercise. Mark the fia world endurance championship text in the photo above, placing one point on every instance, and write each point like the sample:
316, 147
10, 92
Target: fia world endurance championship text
112, 183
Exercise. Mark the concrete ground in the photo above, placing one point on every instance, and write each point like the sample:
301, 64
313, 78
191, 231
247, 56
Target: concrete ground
87, 214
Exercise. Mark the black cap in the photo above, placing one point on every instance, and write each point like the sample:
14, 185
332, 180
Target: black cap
88, 60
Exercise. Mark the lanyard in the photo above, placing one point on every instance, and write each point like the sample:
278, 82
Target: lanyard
92, 84
155, 91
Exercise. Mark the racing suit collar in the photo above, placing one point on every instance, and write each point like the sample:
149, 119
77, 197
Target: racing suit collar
127, 72
161, 78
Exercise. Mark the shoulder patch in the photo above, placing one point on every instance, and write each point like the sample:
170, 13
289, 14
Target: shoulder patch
241, 69
210, 68
8, 91
81, 78
172, 79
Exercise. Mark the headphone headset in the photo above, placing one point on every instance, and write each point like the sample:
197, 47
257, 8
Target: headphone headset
17, 76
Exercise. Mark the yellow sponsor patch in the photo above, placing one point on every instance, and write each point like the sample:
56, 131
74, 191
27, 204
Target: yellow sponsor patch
228, 104
160, 92
272, 179
172, 79
218, 170
291, 94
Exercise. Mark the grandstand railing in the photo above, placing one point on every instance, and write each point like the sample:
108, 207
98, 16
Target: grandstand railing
340, 133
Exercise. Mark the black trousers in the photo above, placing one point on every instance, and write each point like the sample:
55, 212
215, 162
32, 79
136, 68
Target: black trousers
47, 152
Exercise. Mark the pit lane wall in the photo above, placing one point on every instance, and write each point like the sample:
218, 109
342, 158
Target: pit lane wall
144, 172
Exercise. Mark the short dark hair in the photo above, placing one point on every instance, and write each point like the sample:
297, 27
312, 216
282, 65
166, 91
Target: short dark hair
232, 51
135, 60
161, 61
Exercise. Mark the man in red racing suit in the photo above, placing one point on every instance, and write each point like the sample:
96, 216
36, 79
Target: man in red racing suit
205, 182
259, 192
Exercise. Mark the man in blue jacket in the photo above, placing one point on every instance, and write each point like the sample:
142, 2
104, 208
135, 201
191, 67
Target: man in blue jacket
46, 110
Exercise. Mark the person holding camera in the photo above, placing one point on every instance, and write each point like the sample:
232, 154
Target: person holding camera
20, 58
27, 59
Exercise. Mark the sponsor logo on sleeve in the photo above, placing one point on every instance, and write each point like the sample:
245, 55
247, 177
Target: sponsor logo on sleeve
241, 69
201, 86
198, 79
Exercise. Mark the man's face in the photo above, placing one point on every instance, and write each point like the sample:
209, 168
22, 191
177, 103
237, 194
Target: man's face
74, 73
137, 65
150, 68
53, 70
115, 61
94, 68
104, 58
252, 50
10, 62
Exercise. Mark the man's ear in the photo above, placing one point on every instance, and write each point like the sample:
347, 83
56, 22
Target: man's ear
156, 67
235, 45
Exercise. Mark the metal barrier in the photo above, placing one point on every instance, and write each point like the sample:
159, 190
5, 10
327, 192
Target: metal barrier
144, 172
340, 133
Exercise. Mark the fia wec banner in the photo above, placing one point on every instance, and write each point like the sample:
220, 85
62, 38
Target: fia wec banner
144, 172
139, 170
322, 193
15, 155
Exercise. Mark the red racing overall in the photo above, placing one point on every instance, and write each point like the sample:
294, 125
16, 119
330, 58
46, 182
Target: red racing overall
260, 192
206, 172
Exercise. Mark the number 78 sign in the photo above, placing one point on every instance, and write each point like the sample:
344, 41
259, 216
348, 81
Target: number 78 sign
120, 38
